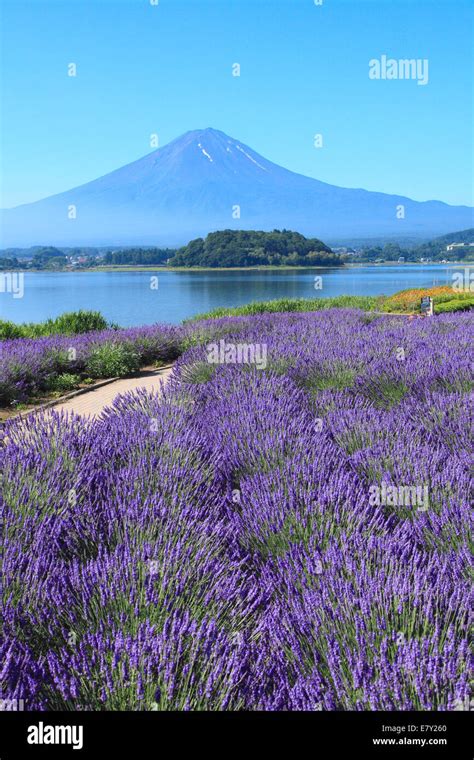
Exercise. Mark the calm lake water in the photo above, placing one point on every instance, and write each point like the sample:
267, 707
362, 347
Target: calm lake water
128, 298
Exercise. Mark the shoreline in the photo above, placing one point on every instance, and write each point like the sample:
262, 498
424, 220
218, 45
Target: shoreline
269, 268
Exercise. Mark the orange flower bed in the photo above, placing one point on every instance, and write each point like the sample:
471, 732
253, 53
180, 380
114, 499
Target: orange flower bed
408, 300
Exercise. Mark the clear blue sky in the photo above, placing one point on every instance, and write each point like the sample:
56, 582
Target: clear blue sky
143, 69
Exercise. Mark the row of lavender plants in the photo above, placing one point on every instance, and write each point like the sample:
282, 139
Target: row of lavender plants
31, 366
237, 543
34, 366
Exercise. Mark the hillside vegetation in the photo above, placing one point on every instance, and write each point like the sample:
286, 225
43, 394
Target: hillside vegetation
243, 248
433, 250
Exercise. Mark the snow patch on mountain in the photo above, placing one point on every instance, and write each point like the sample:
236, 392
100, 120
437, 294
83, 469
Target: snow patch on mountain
205, 153
250, 157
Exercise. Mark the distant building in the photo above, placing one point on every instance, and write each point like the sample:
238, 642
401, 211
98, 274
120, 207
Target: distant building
452, 246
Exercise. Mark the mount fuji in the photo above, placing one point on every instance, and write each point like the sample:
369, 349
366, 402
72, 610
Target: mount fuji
199, 183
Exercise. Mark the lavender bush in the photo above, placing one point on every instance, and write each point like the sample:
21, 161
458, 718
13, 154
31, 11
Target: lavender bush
218, 547
31, 366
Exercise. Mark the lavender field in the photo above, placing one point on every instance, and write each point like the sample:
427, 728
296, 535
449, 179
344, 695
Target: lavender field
30, 366
292, 536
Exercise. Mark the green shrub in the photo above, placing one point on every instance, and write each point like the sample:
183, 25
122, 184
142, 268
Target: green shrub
456, 304
9, 330
112, 360
77, 322
279, 305
70, 323
65, 382
8, 393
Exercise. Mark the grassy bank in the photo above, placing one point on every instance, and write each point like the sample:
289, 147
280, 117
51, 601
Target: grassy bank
366, 303
445, 299
70, 323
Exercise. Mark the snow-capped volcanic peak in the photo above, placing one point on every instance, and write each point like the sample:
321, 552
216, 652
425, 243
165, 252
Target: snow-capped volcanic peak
193, 185
218, 149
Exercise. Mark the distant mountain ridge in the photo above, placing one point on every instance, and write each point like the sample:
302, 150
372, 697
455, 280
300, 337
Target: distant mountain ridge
205, 181
461, 236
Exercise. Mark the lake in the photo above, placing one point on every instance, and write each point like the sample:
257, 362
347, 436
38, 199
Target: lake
128, 298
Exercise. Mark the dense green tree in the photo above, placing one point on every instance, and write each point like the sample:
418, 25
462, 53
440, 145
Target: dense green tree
138, 256
11, 264
241, 248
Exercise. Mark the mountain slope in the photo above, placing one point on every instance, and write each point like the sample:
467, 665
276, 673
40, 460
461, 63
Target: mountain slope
193, 185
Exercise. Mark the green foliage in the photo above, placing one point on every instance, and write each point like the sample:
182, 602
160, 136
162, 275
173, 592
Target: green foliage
456, 304
200, 372
339, 378
366, 303
138, 256
436, 249
8, 394
385, 391
433, 250
65, 382
49, 258
11, 264
112, 360
70, 323
9, 330
76, 322
244, 248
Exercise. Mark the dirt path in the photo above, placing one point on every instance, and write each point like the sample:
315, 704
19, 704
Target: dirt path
92, 403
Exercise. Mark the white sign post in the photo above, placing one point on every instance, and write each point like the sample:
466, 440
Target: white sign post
427, 306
